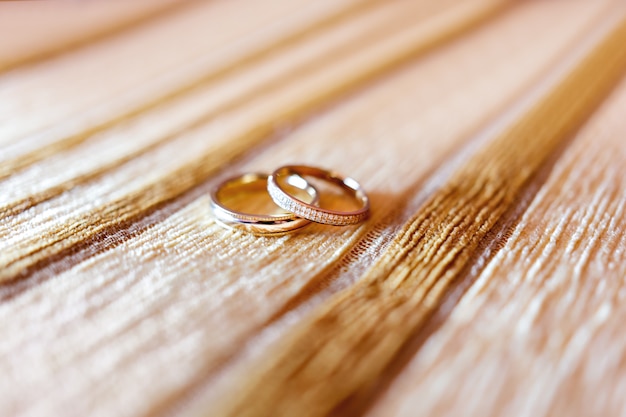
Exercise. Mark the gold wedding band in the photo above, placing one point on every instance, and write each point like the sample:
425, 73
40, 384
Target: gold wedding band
259, 223
312, 212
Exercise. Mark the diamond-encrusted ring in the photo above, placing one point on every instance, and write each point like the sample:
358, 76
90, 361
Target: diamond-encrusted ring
312, 212
261, 224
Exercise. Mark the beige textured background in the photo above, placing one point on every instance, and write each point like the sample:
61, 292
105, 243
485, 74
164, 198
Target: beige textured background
488, 281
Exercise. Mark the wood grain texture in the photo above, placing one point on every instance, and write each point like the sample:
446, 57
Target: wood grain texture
193, 110
486, 282
133, 90
544, 316
352, 338
234, 133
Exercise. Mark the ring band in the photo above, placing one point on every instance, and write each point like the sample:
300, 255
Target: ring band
262, 224
311, 212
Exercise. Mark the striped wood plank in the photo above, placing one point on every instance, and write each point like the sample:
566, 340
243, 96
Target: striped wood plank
121, 296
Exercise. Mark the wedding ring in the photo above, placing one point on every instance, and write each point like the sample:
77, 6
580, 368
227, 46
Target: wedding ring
312, 212
261, 224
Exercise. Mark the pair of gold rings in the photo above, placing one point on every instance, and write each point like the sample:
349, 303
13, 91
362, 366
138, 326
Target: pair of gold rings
294, 199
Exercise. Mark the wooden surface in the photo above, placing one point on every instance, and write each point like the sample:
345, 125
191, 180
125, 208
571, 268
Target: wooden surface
488, 281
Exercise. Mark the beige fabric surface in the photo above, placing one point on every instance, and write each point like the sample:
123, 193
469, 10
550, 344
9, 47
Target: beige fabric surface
488, 281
